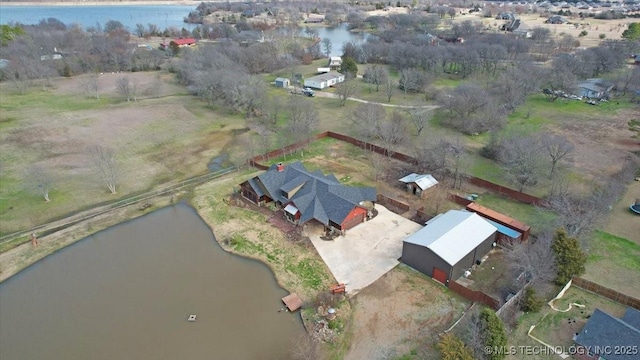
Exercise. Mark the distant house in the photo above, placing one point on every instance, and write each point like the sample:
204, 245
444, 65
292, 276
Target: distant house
506, 16
556, 19
323, 81
335, 62
306, 196
314, 20
282, 82
604, 333
449, 244
595, 88
184, 42
419, 184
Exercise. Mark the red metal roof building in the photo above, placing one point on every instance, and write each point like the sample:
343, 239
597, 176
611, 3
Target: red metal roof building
501, 219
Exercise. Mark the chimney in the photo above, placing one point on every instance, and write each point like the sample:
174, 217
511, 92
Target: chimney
280, 167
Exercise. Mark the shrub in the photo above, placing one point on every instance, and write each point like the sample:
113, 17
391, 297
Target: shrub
583, 33
530, 301
570, 259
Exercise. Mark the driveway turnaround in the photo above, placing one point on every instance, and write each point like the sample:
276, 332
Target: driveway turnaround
367, 251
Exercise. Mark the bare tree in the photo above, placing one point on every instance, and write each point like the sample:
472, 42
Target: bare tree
392, 132
557, 148
366, 120
41, 180
379, 165
419, 118
326, 45
90, 85
389, 88
534, 259
346, 89
106, 164
375, 75
457, 151
303, 119
522, 157
127, 88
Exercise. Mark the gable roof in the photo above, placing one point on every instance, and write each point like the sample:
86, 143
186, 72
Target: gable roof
595, 84
185, 41
321, 197
604, 331
325, 77
423, 181
453, 235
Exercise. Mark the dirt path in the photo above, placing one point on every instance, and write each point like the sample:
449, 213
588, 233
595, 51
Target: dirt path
398, 313
336, 96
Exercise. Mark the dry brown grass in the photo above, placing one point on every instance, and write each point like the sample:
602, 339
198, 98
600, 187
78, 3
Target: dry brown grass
164, 137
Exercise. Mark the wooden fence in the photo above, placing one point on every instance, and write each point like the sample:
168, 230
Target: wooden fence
459, 199
398, 205
473, 295
510, 193
606, 292
513, 194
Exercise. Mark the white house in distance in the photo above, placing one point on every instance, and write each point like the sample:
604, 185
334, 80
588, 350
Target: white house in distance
324, 80
335, 62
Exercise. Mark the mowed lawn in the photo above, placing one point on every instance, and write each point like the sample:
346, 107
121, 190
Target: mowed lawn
614, 262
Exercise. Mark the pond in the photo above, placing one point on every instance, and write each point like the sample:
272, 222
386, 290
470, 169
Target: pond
339, 35
126, 293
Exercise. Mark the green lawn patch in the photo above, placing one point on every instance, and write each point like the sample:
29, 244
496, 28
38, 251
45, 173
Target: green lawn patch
607, 247
51, 102
528, 214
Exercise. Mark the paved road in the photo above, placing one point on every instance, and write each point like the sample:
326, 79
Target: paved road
336, 96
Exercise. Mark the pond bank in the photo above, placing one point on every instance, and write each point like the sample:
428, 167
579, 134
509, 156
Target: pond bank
19, 258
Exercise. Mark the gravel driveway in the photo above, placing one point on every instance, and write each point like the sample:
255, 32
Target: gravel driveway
367, 251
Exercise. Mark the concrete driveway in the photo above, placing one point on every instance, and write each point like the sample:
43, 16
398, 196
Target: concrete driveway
367, 251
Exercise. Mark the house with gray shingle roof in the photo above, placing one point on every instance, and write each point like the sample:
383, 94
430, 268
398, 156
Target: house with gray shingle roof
306, 196
607, 337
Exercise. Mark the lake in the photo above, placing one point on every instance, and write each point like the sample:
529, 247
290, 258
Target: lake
126, 293
339, 35
164, 16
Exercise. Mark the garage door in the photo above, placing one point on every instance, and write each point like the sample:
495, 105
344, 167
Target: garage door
439, 275
353, 222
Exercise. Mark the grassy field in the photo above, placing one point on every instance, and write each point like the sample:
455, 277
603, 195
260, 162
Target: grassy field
157, 141
614, 262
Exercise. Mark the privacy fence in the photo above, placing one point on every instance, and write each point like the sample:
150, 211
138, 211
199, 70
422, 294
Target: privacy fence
473, 295
606, 292
257, 162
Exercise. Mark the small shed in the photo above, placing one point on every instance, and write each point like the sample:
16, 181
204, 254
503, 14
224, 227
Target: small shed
282, 82
448, 245
419, 184
292, 302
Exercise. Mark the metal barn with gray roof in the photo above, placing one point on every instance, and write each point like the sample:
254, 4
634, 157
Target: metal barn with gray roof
305, 196
449, 244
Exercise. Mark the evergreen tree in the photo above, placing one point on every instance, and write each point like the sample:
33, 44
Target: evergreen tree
349, 68
452, 348
494, 335
570, 259
632, 32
